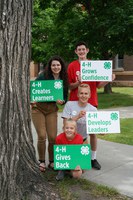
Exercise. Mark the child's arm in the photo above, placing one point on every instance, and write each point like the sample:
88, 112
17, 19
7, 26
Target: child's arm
81, 114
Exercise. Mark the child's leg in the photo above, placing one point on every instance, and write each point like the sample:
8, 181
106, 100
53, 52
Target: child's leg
51, 124
38, 119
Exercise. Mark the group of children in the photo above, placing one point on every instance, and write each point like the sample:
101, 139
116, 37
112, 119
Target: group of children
83, 98
74, 113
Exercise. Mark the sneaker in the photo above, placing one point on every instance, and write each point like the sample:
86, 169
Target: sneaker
60, 175
95, 164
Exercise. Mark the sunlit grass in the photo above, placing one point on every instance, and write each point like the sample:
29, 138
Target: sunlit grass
120, 97
126, 135
72, 189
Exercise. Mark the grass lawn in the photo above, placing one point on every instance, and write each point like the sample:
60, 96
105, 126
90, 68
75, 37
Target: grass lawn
126, 135
120, 97
81, 189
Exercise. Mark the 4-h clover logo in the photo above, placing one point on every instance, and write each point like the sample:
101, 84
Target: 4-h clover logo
84, 150
58, 85
114, 116
107, 65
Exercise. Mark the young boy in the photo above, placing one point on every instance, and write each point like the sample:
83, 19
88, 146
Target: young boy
81, 50
69, 136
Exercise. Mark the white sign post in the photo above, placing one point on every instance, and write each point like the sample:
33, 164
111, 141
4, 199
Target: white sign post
100, 70
103, 122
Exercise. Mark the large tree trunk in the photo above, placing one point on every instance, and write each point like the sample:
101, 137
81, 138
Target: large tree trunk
19, 174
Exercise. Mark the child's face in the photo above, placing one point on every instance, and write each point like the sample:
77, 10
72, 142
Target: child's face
83, 95
81, 52
56, 67
70, 130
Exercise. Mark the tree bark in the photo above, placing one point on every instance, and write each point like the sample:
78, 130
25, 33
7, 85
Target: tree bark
108, 89
106, 56
19, 174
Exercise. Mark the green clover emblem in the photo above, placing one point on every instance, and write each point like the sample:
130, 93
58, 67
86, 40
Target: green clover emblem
107, 65
114, 116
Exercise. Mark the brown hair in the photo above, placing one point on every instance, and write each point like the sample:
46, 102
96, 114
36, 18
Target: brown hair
81, 43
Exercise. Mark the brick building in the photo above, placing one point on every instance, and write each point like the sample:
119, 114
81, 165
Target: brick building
123, 68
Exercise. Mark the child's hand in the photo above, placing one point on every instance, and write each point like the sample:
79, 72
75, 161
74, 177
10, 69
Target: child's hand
82, 113
113, 77
60, 101
33, 104
79, 78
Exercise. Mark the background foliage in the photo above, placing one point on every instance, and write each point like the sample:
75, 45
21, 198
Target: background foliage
107, 27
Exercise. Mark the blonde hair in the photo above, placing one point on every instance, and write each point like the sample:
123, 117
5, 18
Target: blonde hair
71, 121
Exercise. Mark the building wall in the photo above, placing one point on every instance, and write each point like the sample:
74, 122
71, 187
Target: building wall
128, 63
34, 69
124, 74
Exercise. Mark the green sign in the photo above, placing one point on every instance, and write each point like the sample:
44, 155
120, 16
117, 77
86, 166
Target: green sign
70, 156
45, 91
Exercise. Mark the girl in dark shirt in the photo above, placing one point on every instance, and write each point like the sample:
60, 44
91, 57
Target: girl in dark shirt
44, 114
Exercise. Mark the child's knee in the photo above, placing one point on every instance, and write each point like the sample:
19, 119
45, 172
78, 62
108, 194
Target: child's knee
77, 172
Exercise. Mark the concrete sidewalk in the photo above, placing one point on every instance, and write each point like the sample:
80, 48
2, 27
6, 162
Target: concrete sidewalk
125, 112
117, 167
116, 160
